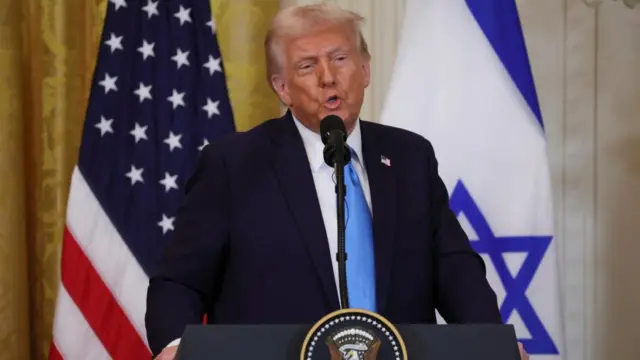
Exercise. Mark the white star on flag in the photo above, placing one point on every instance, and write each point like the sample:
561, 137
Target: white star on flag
181, 58
146, 49
166, 224
119, 3
177, 99
139, 132
104, 125
135, 175
109, 83
173, 141
143, 92
211, 108
115, 42
213, 65
183, 15
169, 182
151, 8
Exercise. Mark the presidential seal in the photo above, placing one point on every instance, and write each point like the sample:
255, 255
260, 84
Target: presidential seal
353, 334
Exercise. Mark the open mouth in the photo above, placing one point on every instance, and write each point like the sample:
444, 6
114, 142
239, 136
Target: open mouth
332, 102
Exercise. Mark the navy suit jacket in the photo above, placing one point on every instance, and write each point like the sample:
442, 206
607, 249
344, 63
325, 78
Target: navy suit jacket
250, 245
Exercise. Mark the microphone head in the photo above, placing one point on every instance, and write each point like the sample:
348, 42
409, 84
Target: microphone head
334, 137
330, 124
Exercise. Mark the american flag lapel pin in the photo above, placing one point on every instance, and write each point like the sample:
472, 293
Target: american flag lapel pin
385, 160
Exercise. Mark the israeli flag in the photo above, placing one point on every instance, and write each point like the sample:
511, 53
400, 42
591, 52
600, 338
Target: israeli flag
462, 80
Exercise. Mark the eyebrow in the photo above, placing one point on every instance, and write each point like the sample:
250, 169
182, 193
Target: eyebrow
335, 50
331, 51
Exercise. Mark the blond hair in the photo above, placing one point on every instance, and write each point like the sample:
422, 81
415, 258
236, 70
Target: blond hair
295, 21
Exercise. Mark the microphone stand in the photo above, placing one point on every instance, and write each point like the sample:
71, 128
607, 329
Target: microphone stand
341, 256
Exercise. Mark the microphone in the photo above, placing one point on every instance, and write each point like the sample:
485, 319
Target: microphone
336, 155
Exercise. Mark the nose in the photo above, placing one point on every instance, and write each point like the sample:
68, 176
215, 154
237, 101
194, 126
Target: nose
326, 75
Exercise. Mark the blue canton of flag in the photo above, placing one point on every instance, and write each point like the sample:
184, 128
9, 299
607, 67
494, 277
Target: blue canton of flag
159, 96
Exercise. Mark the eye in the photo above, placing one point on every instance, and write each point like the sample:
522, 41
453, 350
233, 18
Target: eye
305, 67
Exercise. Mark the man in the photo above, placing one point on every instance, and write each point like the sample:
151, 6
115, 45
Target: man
256, 238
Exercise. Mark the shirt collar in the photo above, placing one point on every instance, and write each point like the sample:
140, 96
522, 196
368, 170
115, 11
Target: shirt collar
314, 146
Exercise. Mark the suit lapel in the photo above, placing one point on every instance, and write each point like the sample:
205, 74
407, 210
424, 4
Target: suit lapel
382, 186
292, 169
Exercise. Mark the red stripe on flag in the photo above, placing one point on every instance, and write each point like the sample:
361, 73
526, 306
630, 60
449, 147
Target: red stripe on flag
97, 304
54, 354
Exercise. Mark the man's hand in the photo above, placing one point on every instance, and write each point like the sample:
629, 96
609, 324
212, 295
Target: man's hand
523, 353
169, 353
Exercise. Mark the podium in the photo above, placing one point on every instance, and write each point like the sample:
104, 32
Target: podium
351, 333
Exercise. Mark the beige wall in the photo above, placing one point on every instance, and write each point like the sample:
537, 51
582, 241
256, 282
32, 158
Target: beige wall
586, 60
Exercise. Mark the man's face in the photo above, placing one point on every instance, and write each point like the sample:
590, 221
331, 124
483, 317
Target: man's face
323, 73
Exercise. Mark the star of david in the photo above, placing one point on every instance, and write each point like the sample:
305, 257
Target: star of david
515, 286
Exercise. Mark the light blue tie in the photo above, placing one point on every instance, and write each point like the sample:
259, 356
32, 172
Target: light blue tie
361, 280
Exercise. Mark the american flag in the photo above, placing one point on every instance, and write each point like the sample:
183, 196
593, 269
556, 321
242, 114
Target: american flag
158, 97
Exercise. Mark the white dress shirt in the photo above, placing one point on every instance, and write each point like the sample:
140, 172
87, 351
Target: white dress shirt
323, 175
325, 187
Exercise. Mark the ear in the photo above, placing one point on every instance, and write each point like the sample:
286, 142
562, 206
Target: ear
280, 87
366, 69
